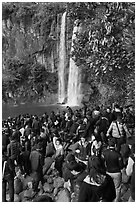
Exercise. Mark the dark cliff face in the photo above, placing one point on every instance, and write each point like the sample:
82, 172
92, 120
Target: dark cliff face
38, 44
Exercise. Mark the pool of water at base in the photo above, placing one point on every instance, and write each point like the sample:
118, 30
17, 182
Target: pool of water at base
38, 109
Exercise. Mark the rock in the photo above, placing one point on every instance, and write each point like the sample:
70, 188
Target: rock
48, 188
43, 198
50, 149
45, 177
35, 177
21, 195
29, 194
50, 179
26, 181
55, 192
17, 198
74, 196
63, 196
47, 164
18, 186
58, 182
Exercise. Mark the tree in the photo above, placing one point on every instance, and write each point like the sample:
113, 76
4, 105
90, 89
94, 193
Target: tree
106, 47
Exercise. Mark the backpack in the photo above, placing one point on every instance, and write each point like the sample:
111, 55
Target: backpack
35, 158
15, 150
50, 150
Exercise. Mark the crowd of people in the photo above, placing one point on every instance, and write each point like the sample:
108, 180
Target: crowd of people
91, 149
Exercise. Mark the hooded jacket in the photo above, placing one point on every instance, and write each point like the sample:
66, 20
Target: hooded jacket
91, 191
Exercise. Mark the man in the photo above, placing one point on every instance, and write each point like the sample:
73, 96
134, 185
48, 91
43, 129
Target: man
118, 130
8, 174
36, 161
114, 165
130, 171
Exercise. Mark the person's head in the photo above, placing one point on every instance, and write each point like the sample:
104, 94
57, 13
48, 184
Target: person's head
80, 122
108, 110
70, 157
82, 139
42, 130
117, 106
112, 143
119, 117
96, 168
6, 131
85, 121
58, 141
97, 108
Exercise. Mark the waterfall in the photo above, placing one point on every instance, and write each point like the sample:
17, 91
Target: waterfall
74, 85
52, 61
62, 60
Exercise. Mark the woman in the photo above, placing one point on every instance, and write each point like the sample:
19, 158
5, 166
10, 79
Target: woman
81, 150
59, 155
97, 186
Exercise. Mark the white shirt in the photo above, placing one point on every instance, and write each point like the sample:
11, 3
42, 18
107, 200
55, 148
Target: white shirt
129, 168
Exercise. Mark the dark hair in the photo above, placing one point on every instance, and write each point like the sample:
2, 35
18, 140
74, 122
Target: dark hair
96, 168
59, 139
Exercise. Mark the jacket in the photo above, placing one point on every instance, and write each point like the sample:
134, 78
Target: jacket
90, 191
113, 160
117, 132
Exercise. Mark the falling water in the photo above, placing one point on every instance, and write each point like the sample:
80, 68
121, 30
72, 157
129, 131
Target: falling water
52, 61
74, 85
62, 59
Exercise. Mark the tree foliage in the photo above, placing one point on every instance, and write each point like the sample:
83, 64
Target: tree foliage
104, 50
106, 47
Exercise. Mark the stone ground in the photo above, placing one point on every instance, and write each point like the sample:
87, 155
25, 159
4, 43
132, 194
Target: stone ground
74, 196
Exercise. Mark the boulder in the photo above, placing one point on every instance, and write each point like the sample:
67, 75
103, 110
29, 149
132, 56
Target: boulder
26, 181
47, 164
48, 188
29, 194
18, 186
50, 179
35, 177
45, 177
58, 182
63, 196
55, 191
17, 198
50, 149
43, 198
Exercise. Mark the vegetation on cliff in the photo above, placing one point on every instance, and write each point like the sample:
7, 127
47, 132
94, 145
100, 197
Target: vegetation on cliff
104, 51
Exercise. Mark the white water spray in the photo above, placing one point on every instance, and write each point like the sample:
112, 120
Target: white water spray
74, 85
62, 60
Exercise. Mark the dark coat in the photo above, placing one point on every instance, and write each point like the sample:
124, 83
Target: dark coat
90, 192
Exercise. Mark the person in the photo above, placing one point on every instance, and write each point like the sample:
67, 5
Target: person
36, 161
8, 173
25, 161
118, 130
13, 148
109, 115
5, 138
102, 125
81, 150
130, 171
59, 154
73, 171
114, 165
97, 185
36, 126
